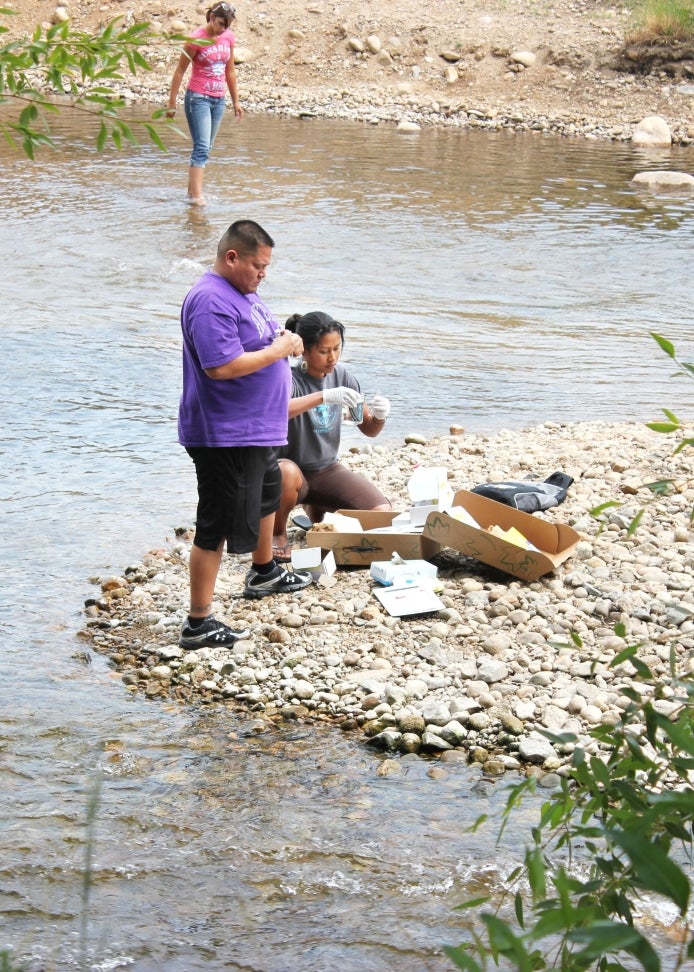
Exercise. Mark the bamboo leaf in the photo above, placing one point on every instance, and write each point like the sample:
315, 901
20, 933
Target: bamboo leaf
664, 344
664, 427
634, 525
462, 958
473, 903
653, 869
597, 510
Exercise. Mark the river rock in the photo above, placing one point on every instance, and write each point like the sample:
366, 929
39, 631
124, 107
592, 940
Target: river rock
535, 748
652, 132
526, 58
664, 179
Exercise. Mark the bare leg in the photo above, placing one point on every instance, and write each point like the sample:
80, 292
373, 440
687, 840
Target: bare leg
263, 552
291, 484
204, 567
195, 178
316, 513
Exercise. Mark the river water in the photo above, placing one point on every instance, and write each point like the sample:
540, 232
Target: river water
488, 280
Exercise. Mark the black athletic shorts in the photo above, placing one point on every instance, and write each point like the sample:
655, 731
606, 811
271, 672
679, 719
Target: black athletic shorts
237, 486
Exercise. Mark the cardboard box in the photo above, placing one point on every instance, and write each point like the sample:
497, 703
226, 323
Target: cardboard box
391, 573
555, 542
362, 547
315, 560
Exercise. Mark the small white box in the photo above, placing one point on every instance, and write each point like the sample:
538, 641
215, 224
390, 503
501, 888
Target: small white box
312, 560
427, 484
429, 492
390, 574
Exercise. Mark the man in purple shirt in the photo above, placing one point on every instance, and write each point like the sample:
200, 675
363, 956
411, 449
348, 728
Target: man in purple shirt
232, 417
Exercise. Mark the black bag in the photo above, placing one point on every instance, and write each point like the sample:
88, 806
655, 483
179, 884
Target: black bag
528, 496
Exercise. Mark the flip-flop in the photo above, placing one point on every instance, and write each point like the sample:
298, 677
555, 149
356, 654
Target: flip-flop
283, 555
302, 521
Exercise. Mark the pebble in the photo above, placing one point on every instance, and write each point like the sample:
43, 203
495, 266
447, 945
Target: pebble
503, 660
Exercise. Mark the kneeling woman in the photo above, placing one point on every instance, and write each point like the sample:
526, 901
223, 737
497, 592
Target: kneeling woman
321, 389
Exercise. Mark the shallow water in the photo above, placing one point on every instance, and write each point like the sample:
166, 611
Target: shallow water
491, 280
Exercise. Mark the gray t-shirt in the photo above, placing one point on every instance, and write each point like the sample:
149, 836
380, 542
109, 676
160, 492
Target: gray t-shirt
313, 439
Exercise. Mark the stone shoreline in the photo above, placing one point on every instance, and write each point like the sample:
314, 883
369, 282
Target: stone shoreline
481, 679
409, 110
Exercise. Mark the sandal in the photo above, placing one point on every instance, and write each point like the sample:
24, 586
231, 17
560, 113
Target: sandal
282, 554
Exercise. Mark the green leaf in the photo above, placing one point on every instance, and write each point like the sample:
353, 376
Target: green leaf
462, 958
660, 487
653, 869
603, 937
662, 426
664, 344
633, 526
155, 137
518, 907
503, 942
683, 445
473, 903
597, 510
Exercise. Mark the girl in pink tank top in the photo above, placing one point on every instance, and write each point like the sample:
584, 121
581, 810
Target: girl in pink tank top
212, 74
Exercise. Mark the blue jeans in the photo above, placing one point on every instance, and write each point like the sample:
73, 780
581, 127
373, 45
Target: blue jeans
204, 116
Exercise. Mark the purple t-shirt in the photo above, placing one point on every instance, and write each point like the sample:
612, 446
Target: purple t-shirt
219, 324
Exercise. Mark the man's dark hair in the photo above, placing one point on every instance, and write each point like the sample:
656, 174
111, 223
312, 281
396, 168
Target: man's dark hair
244, 236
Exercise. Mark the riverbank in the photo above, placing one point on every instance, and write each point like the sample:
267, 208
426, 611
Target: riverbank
485, 676
566, 68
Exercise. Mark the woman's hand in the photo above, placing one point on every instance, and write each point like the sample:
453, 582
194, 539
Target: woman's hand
341, 396
380, 407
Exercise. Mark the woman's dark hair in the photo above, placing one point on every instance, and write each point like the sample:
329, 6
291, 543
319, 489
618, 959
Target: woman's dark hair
225, 11
312, 326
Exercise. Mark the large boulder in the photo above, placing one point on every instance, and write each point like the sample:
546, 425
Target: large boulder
652, 132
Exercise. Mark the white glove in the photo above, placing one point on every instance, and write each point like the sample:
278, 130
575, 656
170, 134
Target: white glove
380, 407
341, 396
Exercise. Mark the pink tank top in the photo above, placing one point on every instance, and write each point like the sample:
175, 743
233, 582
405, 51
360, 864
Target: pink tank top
209, 64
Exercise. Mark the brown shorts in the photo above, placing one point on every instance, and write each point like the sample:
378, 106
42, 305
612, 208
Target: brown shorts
338, 488
236, 488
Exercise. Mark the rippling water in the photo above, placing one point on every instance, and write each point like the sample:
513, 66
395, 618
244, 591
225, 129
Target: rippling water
491, 280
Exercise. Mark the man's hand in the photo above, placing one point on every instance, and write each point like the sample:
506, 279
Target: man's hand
288, 345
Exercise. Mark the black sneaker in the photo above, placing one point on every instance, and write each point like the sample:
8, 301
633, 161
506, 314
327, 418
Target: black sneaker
210, 634
278, 582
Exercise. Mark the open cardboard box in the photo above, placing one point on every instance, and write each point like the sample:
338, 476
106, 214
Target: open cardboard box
360, 549
555, 541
